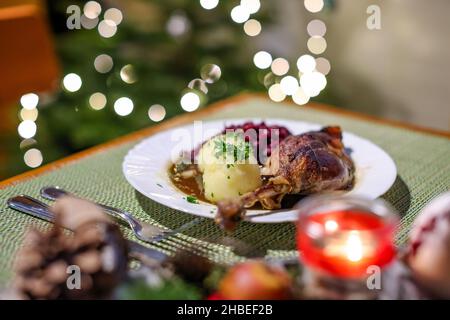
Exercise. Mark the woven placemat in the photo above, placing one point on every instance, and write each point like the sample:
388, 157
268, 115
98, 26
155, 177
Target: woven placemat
423, 173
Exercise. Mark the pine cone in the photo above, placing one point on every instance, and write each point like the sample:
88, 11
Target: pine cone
47, 268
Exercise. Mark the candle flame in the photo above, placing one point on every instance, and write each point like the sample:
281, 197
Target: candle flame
354, 247
331, 226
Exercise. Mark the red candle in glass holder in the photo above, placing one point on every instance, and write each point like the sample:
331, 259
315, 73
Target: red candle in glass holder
343, 236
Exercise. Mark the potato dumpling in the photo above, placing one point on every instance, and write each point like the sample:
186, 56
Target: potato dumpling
229, 167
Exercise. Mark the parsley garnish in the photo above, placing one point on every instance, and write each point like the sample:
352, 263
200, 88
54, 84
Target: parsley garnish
220, 147
232, 146
191, 199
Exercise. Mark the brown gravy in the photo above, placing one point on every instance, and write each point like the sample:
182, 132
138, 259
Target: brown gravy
190, 186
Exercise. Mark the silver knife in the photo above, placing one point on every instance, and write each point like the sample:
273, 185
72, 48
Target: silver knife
38, 209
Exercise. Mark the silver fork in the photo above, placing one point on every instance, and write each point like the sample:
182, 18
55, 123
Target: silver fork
143, 231
38, 209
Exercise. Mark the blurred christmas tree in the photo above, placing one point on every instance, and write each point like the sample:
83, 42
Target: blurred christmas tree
160, 46
126, 56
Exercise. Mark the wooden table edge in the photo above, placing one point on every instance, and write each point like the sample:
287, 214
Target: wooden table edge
188, 117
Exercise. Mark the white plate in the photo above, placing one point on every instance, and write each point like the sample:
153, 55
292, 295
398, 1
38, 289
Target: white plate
145, 166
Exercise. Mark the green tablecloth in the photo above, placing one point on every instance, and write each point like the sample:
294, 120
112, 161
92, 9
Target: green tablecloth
423, 173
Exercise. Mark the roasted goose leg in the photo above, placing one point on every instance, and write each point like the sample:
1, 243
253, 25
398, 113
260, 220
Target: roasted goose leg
308, 163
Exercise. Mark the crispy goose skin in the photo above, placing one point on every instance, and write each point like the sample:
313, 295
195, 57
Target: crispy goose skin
308, 163
312, 162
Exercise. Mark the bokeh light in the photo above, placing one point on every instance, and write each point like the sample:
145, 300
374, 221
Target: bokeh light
123, 106
128, 74
156, 112
88, 23
190, 101
262, 60
300, 97
209, 4
240, 14
280, 66
198, 84
103, 63
27, 129
114, 14
33, 158
251, 6
275, 93
72, 82
107, 28
27, 143
29, 114
316, 28
314, 5
177, 25
320, 80
269, 79
312, 83
210, 73
29, 101
317, 45
323, 65
289, 85
306, 63
97, 101
252, 27
92, 9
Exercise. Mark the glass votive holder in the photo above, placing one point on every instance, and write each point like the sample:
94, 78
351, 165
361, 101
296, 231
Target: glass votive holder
341, 239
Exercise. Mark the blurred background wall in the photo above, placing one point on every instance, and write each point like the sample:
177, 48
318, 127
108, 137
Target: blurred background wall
401, 71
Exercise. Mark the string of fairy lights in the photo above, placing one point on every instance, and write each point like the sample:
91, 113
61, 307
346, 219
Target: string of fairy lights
72, 82
281, 79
